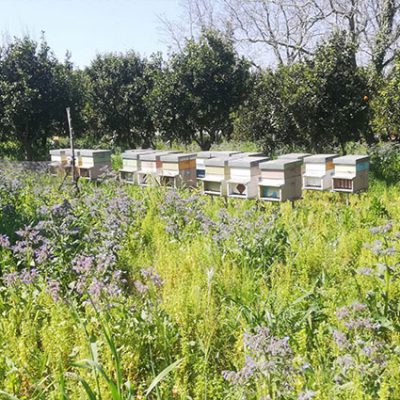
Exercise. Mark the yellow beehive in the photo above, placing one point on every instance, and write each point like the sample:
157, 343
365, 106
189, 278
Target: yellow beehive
150, 167
131, 164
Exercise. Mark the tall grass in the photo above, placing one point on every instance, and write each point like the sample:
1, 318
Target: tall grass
161, 295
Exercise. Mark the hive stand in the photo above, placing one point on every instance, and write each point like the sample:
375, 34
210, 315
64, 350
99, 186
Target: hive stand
92, 164
178, 170
280, 180
151, 167
351, 174
131, 164
318, 171
244, 176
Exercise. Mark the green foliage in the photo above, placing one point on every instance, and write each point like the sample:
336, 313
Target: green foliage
196, 91
318, 104
385, 161
35, 89
386, 117
116, 87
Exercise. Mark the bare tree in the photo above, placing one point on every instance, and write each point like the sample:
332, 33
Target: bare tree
286, 31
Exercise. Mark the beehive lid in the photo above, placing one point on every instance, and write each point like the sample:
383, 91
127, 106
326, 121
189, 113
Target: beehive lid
294, 156
271, 182
217, 162
243, 180
178, 157
93, 153
171, 174
154, 156
320, 158
280, 164
344, 175
224, 153
134, 154
128, 169
351, 159
57, 152
213, 178
253, 154
246, 162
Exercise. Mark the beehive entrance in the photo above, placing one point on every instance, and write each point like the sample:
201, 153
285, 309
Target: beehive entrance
346, 184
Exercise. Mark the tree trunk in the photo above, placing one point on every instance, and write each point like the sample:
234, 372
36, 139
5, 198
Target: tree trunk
27, 144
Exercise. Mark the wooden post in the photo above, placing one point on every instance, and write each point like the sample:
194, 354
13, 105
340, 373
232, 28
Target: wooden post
71, 141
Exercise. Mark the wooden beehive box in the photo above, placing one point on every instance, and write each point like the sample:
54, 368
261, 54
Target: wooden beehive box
205, 155
150, 167
58, 160
131, 164
351, 174
178, 170
280, 180
244, 173
217, 173
318, 171
92, 163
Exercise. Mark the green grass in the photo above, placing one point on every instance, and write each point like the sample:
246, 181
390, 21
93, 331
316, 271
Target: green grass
290, 270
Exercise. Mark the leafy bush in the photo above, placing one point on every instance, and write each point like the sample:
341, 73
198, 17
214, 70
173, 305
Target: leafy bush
385, 161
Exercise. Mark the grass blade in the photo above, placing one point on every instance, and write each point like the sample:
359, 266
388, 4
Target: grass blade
162, 375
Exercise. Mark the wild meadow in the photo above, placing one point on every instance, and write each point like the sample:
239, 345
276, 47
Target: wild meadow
120, 292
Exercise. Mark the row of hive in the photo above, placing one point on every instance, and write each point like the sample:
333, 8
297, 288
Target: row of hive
232, 174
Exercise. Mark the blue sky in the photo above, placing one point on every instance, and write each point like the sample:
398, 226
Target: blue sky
88, 27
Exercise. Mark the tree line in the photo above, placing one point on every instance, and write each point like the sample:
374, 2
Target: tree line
204, 92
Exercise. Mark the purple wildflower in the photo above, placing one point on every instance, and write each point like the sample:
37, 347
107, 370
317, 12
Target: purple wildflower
4, 242
53, 289
307, 395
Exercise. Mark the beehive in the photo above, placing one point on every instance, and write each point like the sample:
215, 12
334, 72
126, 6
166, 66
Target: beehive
244, 174
205, 155
351, 173
58, 160
178, 170
131, 164
92, 164
280, 180
318, 171
295, 156
150, 167
217, 173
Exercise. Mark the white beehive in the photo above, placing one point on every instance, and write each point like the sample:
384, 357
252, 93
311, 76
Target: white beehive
58, 161
216, 175
280, 180
318, 171
131, 164
151, 167
178, 170
205, 155
351, 173
244, 174
92, 164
